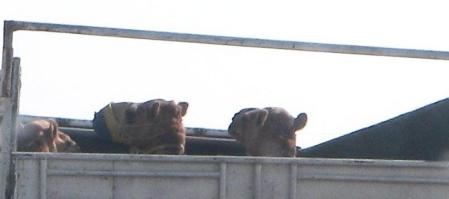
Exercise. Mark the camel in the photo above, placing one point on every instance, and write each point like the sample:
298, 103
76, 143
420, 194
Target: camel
44, 136
269, 131
151, 127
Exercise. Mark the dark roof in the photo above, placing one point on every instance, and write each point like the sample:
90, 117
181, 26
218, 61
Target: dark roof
422, 134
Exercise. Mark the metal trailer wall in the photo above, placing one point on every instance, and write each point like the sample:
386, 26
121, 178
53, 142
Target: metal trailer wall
46, 175
129, 176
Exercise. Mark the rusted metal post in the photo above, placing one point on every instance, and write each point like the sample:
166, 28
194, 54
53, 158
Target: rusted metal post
6, 115
15, 97
9, 112
7, 58
5, 155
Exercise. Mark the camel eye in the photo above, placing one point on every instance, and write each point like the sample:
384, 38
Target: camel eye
35, 144
246, 119
286, 136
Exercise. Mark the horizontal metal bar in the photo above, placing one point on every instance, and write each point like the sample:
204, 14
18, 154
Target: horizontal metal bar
230, 41
87, 124
233, 159
380, 179
58, 172
205, 132
65, 122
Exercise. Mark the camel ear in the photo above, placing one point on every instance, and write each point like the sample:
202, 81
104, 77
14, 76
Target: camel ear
262, 116
184, 106
258, 115
300, 122
131, 113
153, 110
52, 132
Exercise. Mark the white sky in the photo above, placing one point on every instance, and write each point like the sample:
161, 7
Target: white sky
73, 76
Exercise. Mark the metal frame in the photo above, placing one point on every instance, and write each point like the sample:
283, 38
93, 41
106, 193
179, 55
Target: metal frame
12, 26
10, 79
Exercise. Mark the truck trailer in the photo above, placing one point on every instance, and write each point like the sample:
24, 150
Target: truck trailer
26, 175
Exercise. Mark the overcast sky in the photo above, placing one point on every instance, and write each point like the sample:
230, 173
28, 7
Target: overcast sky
74, 76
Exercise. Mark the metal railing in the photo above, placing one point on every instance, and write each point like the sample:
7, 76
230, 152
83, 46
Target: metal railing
224, 40
12, 26
87, 124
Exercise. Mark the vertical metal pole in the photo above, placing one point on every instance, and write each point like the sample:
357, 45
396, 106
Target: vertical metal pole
43, 178
8, 115
223, 180
5, 158
258, 181
7, 59
293, 180
114, 181
15, 95
6, 72
9, 112
15, 98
